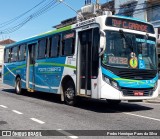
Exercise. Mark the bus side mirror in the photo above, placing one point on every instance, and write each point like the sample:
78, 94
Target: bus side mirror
102, 42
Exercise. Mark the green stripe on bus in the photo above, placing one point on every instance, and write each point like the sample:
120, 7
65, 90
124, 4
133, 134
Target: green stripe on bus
19, 67
56, 31
45, 64
57, 64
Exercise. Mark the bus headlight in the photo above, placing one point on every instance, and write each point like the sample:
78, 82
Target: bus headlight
114, 84
106, 80
155, 85
111, 82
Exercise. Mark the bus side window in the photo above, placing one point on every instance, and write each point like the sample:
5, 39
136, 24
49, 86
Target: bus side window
22, 52
14, 54
6, 56
68, 44
18, 54
42, 48
10, 55
54, 46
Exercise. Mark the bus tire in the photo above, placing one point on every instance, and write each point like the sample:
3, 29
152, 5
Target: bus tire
69, 93
18, 86
113, 102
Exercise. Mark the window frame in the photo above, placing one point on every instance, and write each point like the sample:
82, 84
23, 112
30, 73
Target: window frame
8, 59
58, 45
13, 54
24, 55
73, 42
45, 53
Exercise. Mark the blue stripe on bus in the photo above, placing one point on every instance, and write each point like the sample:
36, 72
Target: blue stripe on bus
131, 18
48, 73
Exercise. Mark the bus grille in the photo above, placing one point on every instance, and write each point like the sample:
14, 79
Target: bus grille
134, 74
137, 75
130, 92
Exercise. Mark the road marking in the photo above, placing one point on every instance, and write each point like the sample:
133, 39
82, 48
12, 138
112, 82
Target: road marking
38, 121
67, 134
142, 116
3, 106
73, 137
15, 111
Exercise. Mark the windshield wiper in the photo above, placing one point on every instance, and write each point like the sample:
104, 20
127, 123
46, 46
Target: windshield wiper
127, 39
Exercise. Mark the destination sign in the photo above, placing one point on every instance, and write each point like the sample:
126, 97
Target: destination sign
129, 24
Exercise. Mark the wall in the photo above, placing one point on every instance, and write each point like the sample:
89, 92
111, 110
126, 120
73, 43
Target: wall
148, 10
1, 55
133, 8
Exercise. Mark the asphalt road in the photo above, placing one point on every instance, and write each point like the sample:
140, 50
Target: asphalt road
40, 111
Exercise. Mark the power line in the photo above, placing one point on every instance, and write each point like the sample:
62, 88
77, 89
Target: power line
40, 11
43, 9
18, 17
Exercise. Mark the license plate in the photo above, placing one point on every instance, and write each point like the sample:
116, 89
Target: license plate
138, 93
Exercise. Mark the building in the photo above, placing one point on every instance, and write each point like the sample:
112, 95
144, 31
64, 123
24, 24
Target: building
7, 41
2, 45
132, 8
109, 6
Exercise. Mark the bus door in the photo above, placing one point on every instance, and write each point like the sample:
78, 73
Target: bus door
88, 61
30, 75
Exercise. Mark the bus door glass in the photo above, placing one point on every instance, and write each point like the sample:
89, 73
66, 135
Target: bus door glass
31, 57
88, 61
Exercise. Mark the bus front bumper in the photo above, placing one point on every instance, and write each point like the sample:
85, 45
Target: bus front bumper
109, 92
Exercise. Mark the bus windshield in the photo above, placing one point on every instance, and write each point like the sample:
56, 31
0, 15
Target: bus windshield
133, 51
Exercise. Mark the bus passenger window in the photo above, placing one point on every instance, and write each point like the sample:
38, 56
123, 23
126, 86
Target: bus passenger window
22, 52
54, 46
18, 49
68, 45
42, 46
6, 56
14, 54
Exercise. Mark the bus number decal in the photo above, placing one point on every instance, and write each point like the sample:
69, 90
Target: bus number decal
118, 60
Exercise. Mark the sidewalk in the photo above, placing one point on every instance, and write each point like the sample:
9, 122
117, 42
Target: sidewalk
5, 86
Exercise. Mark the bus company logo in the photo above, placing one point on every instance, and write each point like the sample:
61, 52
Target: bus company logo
138, 78
85, 22
6, 133
53, 69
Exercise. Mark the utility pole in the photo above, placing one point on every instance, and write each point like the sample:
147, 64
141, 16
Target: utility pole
97, 1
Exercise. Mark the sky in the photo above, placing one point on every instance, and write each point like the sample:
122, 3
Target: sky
10, 9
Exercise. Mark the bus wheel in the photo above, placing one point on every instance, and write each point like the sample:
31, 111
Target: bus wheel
18, 86
69, 93
113, 102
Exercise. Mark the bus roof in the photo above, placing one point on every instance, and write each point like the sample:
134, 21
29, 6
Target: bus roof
36, 37
131, 18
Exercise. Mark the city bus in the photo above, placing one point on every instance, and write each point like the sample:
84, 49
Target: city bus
103, 56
